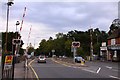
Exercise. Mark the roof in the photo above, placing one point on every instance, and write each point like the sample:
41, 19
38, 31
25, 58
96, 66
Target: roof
115, 34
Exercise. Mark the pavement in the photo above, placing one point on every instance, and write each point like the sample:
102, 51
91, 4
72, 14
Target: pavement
20, 72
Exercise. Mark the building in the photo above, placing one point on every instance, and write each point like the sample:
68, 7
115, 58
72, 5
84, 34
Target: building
111, 49
104, 51
114, 45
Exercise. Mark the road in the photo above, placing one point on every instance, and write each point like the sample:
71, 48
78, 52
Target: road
55, 70
106, 68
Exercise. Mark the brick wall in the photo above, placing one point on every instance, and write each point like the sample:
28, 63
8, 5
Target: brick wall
118, 40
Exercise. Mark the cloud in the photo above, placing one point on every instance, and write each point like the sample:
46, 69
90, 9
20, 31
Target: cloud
63, 1
49, 18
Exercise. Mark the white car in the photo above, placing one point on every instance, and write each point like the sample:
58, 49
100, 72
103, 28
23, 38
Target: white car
79, 59
41, 59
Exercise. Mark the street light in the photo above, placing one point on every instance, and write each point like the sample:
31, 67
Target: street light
10, 2
17, 23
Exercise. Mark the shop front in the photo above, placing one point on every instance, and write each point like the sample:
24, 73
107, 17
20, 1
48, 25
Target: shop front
114, 51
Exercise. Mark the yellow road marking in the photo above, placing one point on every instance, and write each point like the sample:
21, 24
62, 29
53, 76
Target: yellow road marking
33, 70
61, 63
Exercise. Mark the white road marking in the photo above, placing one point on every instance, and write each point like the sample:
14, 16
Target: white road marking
114, 77
75, 67
108, 67
115, 70
98, 69
89, 70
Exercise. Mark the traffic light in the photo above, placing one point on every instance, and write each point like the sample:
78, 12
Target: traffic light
76, 44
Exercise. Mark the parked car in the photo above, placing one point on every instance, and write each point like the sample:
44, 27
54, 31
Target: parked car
41, 59
79, 59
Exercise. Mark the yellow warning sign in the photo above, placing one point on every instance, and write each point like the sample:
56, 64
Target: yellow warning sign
8, 59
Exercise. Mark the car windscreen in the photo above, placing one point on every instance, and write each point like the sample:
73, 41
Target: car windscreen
41, 57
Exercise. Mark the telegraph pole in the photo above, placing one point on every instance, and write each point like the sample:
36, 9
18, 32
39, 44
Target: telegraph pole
91, 45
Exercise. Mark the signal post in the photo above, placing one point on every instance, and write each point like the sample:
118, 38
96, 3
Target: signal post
75, 45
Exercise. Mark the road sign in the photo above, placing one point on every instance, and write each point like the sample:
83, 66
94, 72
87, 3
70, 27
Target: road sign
8, 62
8, 59
16, 41
75, 44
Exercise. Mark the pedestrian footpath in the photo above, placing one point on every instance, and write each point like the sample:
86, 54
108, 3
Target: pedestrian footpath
22, 72
19, 71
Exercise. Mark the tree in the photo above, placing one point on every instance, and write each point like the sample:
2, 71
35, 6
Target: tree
68, 44
114, 26
81, 52
30, 50
62, 43
59, 35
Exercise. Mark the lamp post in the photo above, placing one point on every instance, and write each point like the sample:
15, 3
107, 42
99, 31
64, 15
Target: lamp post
17, 46
10, 2
17, 23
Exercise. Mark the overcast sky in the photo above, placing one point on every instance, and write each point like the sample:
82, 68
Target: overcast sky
49, 18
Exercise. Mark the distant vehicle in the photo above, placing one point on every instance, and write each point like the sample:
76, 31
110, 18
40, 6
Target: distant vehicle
60, 56
41, 59
79, 59
53, 55
64, 56
28, 56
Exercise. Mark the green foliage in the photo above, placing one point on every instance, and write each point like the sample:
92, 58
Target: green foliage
62, 43
80, 52
10, 37
21, 51
30, 50
96, 48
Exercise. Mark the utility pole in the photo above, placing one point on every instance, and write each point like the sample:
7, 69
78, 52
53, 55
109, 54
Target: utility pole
8, 5
91, 45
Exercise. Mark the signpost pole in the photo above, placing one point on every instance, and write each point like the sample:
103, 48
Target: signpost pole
75, 45
13, 63
74, 53
0, 56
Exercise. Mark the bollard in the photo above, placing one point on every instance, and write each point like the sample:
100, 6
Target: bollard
82, 62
